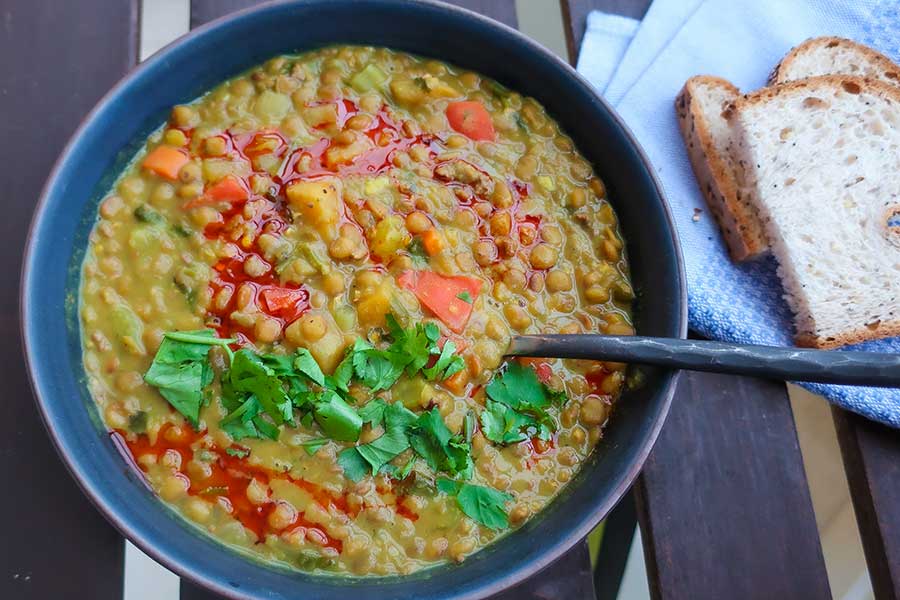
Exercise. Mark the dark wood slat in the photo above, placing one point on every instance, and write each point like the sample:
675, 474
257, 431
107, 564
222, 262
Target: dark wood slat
723, 501
575, 14
568, 578
872, 461
618, 536
58, 59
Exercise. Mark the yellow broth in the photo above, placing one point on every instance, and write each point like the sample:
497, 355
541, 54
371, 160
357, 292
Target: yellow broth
296, 206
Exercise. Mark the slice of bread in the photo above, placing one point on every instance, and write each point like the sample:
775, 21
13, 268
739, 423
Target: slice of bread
834, 56
701, 105
701, 108
822, 156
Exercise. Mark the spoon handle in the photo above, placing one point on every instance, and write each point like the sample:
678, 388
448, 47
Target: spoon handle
772, 362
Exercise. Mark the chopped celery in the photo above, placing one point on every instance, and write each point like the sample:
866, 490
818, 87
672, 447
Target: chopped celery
128, 327
546, 183
377, 184
145, 214
368, 79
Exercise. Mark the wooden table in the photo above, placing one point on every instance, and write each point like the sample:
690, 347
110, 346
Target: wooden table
723, 502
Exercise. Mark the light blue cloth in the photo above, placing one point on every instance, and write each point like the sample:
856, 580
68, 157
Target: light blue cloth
740, 40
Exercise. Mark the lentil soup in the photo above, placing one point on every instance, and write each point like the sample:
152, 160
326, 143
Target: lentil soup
296, 301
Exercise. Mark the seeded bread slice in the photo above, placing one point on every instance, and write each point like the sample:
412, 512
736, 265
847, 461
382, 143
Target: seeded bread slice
703, 103
701, 107
834, 56
822, 156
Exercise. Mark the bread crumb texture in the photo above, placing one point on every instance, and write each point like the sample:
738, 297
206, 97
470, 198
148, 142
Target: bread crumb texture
822, 158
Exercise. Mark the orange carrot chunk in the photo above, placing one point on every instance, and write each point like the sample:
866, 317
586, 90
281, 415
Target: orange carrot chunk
165, 161
228, 189
471, 119
449, 298
432, 242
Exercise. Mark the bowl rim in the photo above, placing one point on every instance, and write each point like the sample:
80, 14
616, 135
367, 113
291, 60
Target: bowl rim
500, 583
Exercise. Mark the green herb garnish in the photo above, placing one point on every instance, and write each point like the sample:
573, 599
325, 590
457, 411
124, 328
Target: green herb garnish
517, 404
465, 296
138, 422
482, 504
237, 451
145, 214
361, 460
443, 451
338, 420
312, 446
180, 370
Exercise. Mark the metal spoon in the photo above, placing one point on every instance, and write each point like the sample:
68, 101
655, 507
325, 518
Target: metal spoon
772, 362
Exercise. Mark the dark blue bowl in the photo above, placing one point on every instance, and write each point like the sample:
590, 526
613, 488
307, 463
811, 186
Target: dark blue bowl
117, 127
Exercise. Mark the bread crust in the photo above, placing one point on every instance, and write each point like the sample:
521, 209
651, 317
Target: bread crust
851, 336
856, 333
891, 70
742, 232
821, 82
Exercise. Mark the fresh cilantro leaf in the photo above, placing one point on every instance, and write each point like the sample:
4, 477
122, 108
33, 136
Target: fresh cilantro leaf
340, 380
354, 465
465, 296
518, 387
239, 423
306, 364
447, 364
481, 504
237, 451
433, 441
503, 425
381, 451
180, 370
484, 505
377, 369
337, 419
266, 429
312, 446
373, 412
250, 375
200, 337
412, 347
516, 406
377, 453
448, 486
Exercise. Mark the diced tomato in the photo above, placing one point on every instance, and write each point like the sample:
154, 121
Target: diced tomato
286, 303
229, 189
471, 119
432, 242
544, 372
441, 295
165, 161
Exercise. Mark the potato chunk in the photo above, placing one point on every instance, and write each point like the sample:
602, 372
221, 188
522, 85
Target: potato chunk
317, 202
344, 155
317, 332
389, 237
